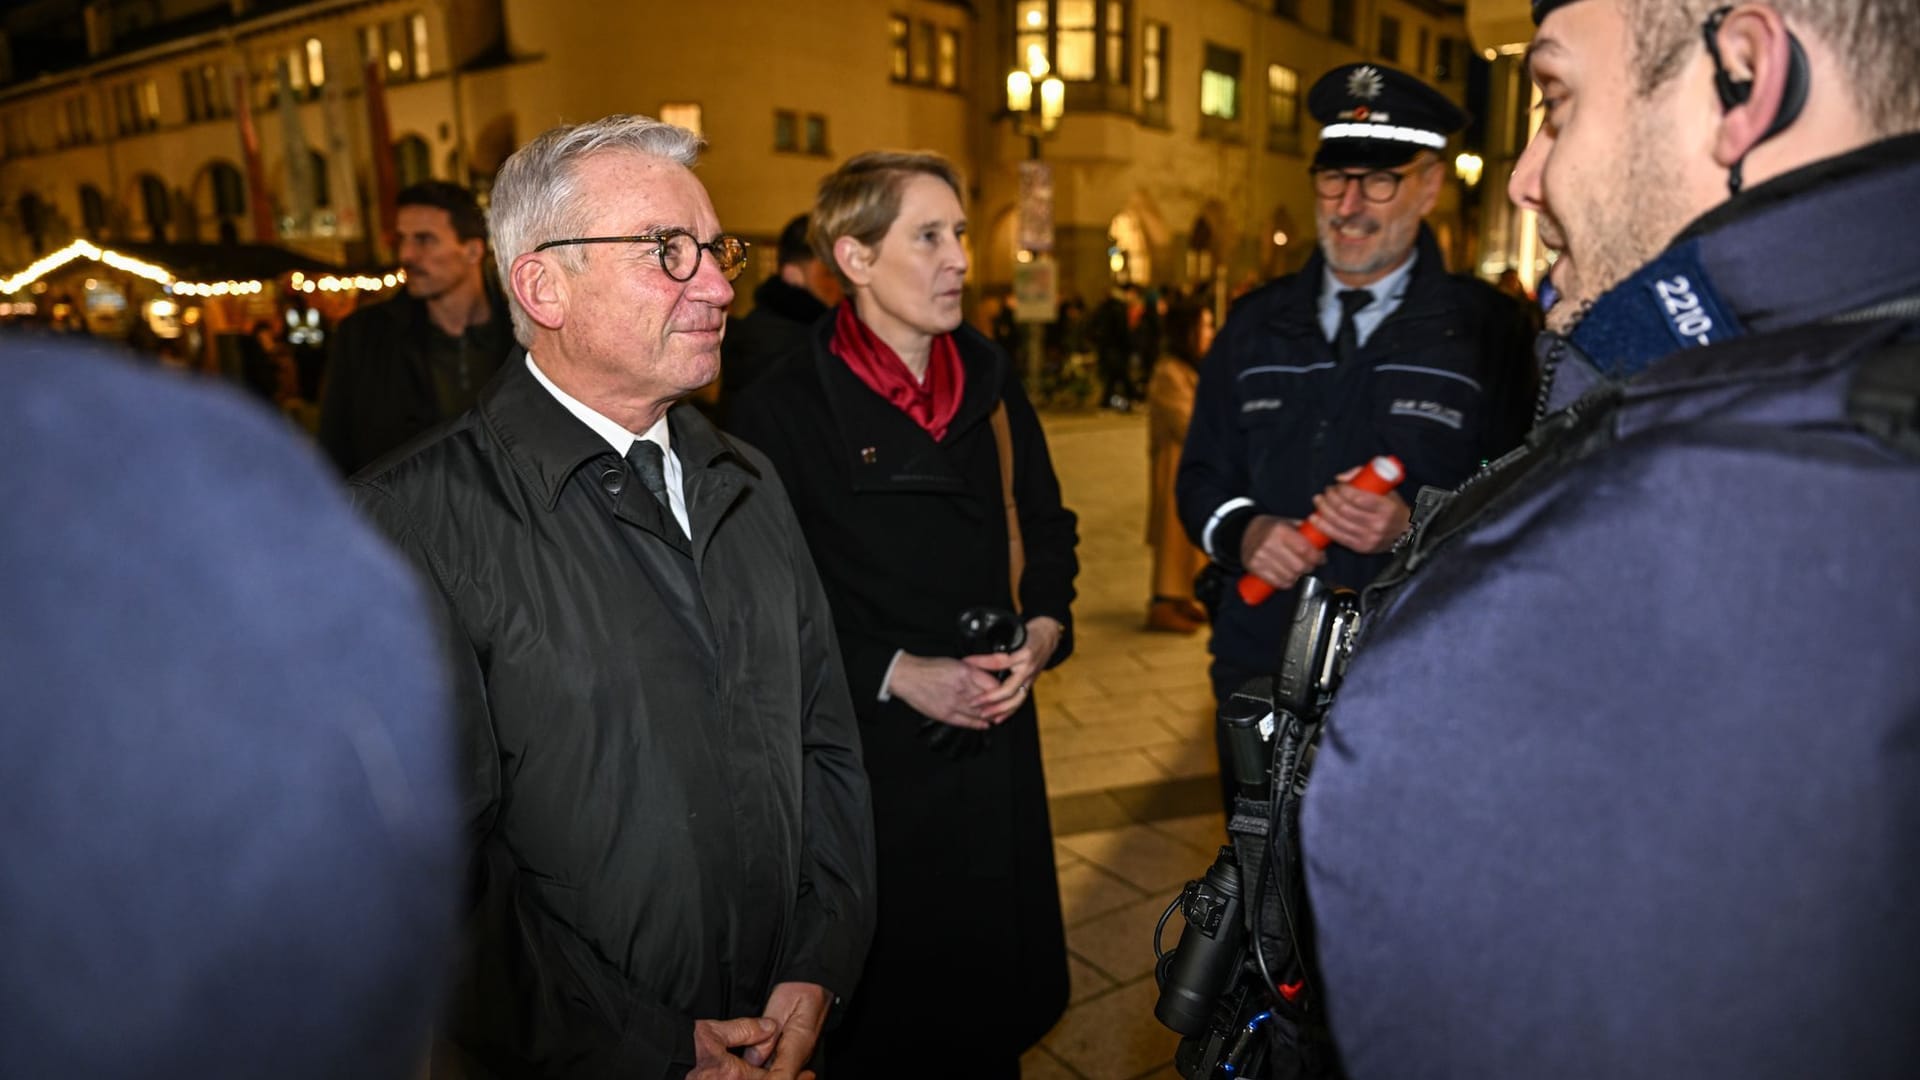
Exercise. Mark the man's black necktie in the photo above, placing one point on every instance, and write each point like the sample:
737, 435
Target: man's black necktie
649, 464
1346, 343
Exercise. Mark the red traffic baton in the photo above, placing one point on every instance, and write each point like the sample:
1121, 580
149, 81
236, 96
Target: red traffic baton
1381, 475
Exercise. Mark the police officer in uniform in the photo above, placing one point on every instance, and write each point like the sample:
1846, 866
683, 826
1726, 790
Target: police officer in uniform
1624, 778
1372, 348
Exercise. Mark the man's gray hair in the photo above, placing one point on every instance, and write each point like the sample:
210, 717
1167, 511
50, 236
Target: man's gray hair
535, 196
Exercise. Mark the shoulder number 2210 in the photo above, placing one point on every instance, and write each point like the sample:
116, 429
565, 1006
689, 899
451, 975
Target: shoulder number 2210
1683, 309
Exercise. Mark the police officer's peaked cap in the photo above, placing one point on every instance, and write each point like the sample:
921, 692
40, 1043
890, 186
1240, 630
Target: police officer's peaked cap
1375, 117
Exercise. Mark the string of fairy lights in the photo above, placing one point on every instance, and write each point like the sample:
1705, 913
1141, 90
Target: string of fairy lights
159, 275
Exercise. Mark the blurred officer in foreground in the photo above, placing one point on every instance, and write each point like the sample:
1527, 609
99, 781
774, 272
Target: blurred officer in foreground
228, 788
1625, 780
1372, 348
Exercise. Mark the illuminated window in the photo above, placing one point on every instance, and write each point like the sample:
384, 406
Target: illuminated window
400, 46
1074, 39
685, 114
946, 73
148, 104
1220, 84
316, 63
1153, 72
1220, 93
899, 30
417, 34
1283, 108
1030, 22
1081, 40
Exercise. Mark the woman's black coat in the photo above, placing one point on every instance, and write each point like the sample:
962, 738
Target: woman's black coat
908, 533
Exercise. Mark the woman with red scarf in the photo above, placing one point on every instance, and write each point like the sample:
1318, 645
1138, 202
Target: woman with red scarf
884, 433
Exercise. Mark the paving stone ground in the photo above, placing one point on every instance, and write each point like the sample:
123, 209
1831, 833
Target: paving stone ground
1126, 738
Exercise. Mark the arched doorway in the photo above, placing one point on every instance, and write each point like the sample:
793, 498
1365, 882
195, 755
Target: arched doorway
220, 198
36, 217
156, 207
1202, 255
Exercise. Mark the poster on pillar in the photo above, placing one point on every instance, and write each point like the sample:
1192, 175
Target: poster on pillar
1036, 291
1036, 207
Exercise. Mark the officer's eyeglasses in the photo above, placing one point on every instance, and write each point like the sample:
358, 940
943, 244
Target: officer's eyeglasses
679, 252
1377, 186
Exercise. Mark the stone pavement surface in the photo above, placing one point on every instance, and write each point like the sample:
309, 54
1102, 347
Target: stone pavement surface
1126, 736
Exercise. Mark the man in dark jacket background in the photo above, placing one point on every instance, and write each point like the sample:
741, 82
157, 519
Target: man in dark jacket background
783, 307
1372, 348
675, 845
1624, 779
399, 367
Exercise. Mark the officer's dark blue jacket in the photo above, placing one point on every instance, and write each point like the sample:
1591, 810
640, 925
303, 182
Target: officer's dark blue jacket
1624, 780
1444, 383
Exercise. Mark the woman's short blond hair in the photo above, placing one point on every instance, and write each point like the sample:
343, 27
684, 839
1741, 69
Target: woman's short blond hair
862, 197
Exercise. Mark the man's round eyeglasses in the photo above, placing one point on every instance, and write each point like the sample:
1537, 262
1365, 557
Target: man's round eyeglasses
1378, 186
678, 251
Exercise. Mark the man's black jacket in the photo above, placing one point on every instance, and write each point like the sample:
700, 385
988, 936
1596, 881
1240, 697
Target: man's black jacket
776, 326
378, 391
666, 780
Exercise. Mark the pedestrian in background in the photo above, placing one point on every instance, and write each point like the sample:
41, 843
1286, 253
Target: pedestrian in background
785, 305
400, 366
1176, 562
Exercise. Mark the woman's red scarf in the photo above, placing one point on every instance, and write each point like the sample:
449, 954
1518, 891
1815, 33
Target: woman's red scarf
930, 403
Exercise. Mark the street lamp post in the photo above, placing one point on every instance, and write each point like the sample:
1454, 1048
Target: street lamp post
1035, 115
1036, 99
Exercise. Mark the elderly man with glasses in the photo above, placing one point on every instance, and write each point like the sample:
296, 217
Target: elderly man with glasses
1372, 348
672, 838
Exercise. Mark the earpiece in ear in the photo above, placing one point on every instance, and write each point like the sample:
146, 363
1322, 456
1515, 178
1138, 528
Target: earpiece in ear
1735, 92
